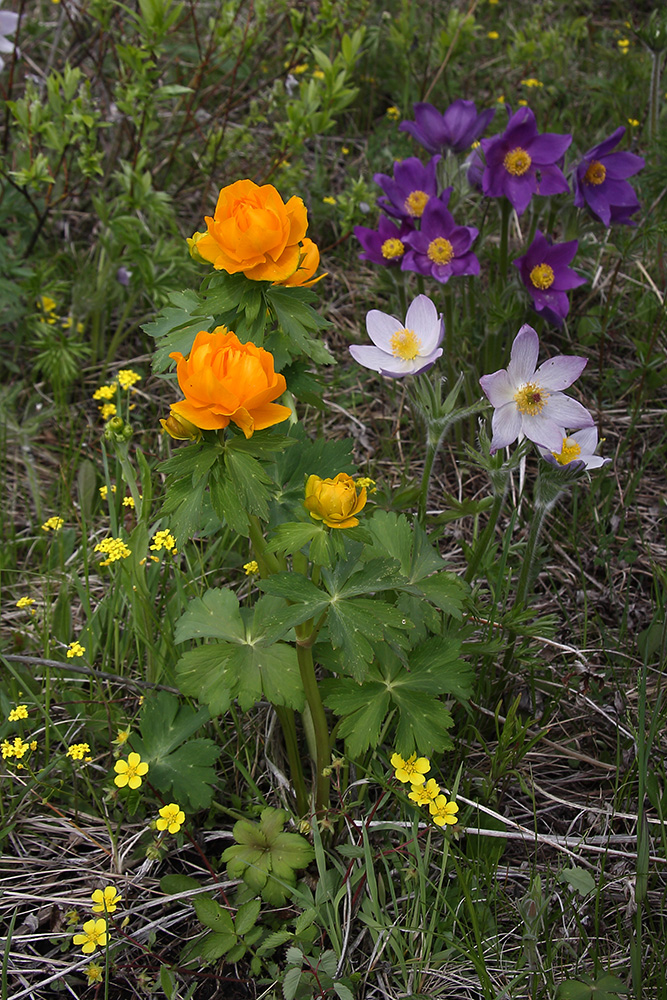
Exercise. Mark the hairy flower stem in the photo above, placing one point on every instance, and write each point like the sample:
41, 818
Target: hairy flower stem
432, 446
506, 212
318, 718
484, 540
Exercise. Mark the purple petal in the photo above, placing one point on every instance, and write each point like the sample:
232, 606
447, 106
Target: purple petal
506, 426
523, 358
519, 190
498, 388
605, 146
546, 149
559, 373
622, 165
587, 439
422, 317
552, 181
567, 411
543, 430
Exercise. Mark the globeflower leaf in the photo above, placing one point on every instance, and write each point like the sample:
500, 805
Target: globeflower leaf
266, 857
214, 615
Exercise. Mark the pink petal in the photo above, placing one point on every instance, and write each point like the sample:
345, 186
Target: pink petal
422, 317
498, 388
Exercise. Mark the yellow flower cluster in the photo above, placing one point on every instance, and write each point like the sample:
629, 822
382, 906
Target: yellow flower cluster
129, 502
18, 748
130, 772
423, 792
171, 818
75, 649
104, 491
251, 567
105, 392
393, 113
531, 82
108, 410
164, 540
53, 524
77, 751
20, 712
127, 378
114, 549
25, 603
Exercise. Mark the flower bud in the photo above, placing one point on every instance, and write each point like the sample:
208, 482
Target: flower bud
180, 428
192, 242
334, 501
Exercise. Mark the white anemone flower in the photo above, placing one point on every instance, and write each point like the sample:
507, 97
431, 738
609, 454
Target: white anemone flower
402, 348
578, 449
527, 400
8, 23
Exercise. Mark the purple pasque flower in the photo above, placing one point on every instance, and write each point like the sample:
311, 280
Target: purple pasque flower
528, 401
386, 244
577, 449
600, 181
440, 248
456, 129
516, 157
402, 348
409, 190
547, 277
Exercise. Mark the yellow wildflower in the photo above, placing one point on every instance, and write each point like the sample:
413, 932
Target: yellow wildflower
53, 524
127, 378
122, 737
130, 771
108, 410
105, 392
33, 745
329, 200
77, 751
129, 502
47, 304
94, 935
492, 34
443, 811
318, 74
345, 150
104, 491
94, 972
75, 649
20, 712
413, 769
163, 540
19, 748
26, 602
6, 749
106, 900
633, 121
531, 82
251, 567
393, 113
366, 483
72, 917
114, 549
423, 795
171, 819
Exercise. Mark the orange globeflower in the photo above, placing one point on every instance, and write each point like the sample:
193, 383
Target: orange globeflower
334, 501
310, 260
253, 231
223, 379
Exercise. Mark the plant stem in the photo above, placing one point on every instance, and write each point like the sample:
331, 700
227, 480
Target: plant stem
506, 211
318, 718
484, 539
288, 726
431, 449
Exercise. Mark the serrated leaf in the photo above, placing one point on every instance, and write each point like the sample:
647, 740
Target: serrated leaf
343, 991
215, 615
165, 723
365, 711
211, 947
435, 666
291, 981
211, 914
446, 591
200, 673
246, 916
173, 885
176, 327
292, 536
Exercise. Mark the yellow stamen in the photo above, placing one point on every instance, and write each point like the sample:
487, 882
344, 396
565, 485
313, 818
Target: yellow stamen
440, 250
405, 344
517, 162
530, 398
569, 451
392, 248
542, 276
415, 203
596, 173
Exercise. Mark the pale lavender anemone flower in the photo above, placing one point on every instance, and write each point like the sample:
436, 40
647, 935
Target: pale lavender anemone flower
600, 182
440, 248
8, 24
408, 191
386, 244
578, 449
545, 273
402, 348
516, 156
456, 129
528, 401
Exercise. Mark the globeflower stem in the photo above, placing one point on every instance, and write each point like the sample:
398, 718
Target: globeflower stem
288, 726
319, 720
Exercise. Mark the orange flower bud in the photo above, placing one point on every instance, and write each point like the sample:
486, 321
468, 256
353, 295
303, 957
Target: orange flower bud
223, 379
180, 428
308, 264
334, 501
254, 232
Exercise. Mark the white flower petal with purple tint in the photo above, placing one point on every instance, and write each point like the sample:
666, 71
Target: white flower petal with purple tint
527, 400
577, 449
402, 348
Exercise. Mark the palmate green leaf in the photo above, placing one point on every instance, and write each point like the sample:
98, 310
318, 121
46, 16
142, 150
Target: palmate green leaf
176, 327
215, 615
265, 857
291, 536
298, 320
185, 506
447, 591
353, 622
201, 673
183, 769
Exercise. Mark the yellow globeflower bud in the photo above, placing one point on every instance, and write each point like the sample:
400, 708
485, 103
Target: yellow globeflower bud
180, 428
192, 242
334, 501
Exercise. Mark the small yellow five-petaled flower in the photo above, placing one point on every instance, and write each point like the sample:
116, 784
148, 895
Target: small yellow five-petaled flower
413, 769
130, 771
94, 935
106, 900
171, 819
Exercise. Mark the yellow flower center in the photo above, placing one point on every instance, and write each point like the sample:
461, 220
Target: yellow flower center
405, 344
569, 452
415, 203
530, 398
440, 250
542, 276
596, 173
392, 248
517, 162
